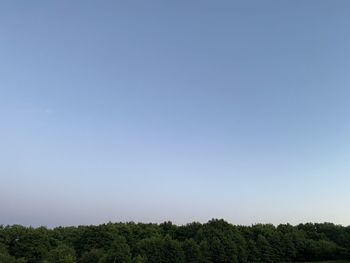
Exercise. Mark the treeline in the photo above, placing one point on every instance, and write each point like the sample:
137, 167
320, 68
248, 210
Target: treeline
215, 241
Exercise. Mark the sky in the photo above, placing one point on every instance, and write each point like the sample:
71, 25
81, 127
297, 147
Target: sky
150, 111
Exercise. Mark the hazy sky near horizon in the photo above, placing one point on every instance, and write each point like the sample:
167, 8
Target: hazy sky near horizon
174, 110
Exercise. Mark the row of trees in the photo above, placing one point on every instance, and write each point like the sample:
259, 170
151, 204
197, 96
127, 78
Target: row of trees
215, 241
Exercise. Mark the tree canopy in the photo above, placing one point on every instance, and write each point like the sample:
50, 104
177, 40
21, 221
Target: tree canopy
215, 241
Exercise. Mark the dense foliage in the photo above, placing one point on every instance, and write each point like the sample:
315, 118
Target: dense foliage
215, 241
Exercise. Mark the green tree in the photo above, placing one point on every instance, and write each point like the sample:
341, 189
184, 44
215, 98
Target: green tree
191, 251
93, 256
29, 243
253, 252
118, 253
161, 250
265, 250
62, 254
6, 258
139, 259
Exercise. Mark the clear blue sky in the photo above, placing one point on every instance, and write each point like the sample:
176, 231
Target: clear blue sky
174, 110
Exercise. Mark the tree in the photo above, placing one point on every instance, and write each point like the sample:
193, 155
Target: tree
214, 242
29, 243
62, 254
94, 237
139, 259
93, 256
118, 253
161, 250
265, 250
6, 258
191, 251
253, 252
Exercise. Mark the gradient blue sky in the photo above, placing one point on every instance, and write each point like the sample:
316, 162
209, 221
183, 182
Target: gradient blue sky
174, 110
